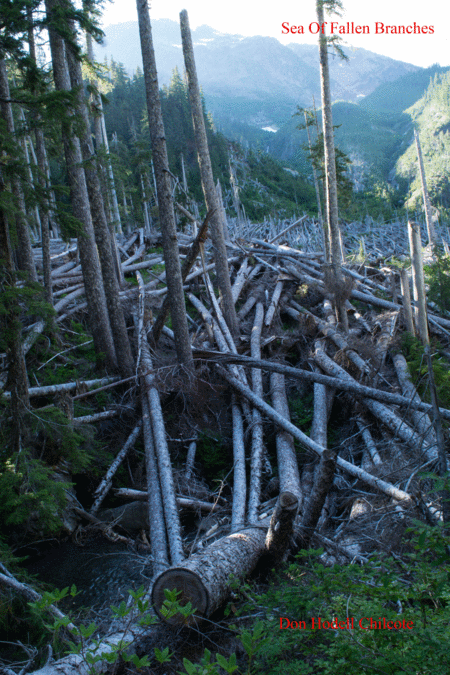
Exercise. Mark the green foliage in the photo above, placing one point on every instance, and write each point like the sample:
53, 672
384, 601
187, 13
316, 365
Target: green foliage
301, 409
416, 591
29, 493
213, 454
414, 353
437, 275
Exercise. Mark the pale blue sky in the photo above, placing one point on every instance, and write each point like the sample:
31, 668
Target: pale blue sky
259, 17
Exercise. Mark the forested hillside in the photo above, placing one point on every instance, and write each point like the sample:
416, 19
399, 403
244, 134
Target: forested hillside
431, 117
265, 188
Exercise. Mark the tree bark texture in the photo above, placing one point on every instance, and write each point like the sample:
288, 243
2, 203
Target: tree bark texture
280, 529
164, 190
95, 294
323, 481
209, 190
204, 580
102, 232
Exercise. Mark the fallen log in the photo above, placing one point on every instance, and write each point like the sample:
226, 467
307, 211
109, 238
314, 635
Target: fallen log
257, 447
286, 457
102, 490
183, 502
239, 477
68, 386
377, 483
397, 425
352, 387
204, 580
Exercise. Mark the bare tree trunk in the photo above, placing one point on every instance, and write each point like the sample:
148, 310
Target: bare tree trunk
44, 173
287, 460
209, 190
420, 297
406, 301
24, 252
158, 538
330, 171
95, 295
164, 192
257, 428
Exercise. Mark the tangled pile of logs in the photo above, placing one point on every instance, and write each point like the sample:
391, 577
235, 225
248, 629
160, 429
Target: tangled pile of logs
370, 477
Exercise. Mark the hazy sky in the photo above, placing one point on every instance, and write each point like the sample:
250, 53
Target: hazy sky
259, 17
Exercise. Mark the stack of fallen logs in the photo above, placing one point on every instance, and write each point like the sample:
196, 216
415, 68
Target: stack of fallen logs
392, 437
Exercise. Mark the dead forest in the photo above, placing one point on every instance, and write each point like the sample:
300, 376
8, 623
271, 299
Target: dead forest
250, 380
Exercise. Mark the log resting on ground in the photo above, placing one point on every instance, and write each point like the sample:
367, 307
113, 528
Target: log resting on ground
204, 579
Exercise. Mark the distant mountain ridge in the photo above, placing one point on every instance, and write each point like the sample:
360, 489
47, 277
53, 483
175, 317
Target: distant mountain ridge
252, 81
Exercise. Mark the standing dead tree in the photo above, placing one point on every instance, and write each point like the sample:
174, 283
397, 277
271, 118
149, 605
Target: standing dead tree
212, 202
164, 190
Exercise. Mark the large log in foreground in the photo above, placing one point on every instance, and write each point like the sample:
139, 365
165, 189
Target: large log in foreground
204, 579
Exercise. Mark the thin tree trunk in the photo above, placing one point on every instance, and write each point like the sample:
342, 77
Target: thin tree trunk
406, 301
209, 190
420, 297
164, 192
24, 251
330, 172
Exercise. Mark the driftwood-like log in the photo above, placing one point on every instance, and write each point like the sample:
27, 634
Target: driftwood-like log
287, 460
155, 509
348, 385
368, 440
273, 303
377, 483
241, 278
257, 448
406, 300
102, 490
171, 516
183, 502
190, 459
10, 581
68, 386
239, 477
397, 425
421, 419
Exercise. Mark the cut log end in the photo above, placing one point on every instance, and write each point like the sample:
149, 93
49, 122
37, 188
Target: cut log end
191, 589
